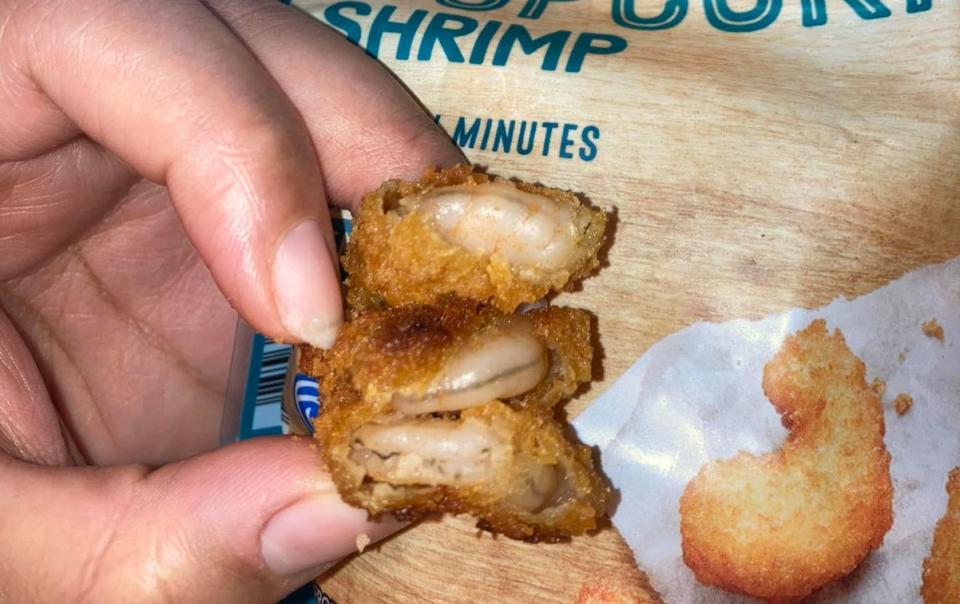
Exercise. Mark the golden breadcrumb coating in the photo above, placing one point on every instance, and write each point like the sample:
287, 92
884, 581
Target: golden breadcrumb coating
941, 570
397, 255
780, 526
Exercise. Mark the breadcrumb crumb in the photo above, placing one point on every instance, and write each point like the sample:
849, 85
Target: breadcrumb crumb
902, 403
363, 540
932, 329
878, 386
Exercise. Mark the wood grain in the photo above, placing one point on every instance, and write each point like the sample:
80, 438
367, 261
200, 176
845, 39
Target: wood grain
747, 173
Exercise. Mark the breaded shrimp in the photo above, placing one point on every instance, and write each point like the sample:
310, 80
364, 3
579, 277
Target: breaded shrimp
462, 232
781, 525
941, 570
449, 408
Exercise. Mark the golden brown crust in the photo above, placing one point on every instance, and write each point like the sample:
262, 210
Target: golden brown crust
941, 570
382, 350
757, 524
392, 259
566, 332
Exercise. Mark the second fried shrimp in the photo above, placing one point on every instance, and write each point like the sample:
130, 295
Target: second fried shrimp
780, 526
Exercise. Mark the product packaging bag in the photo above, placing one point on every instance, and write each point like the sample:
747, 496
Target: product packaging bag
758, 157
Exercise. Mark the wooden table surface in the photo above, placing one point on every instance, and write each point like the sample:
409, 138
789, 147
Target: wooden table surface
747, 174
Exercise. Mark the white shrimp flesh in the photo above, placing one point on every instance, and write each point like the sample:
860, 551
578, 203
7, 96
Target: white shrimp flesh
497, 218
497, 364
434, 451
427, 451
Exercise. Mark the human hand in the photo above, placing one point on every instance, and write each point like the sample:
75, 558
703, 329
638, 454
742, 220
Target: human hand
158, 160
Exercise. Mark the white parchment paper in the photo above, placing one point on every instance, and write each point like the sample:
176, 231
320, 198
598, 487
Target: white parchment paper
696, 396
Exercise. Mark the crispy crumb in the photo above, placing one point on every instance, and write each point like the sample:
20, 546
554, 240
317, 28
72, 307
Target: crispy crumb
932, 329
878, 386
363, 540
902, 403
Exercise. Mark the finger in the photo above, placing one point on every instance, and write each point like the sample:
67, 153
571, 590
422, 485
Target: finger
248, 523
30, 124
126, 312
179, 98
29, 428
379, 132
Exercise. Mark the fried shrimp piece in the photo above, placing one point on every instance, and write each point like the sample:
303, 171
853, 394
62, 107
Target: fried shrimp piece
418, 359
463, 232
448, 408
941, 571
512, 468
779, 526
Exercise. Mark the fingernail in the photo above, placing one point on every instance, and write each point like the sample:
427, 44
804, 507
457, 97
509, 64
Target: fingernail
307, 286
317, 531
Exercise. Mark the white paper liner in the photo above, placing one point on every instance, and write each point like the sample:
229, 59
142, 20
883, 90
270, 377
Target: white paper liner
696, 396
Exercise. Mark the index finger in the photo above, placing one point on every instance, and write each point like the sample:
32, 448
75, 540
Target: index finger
365, 125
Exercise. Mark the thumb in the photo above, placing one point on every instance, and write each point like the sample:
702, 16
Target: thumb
247, 523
